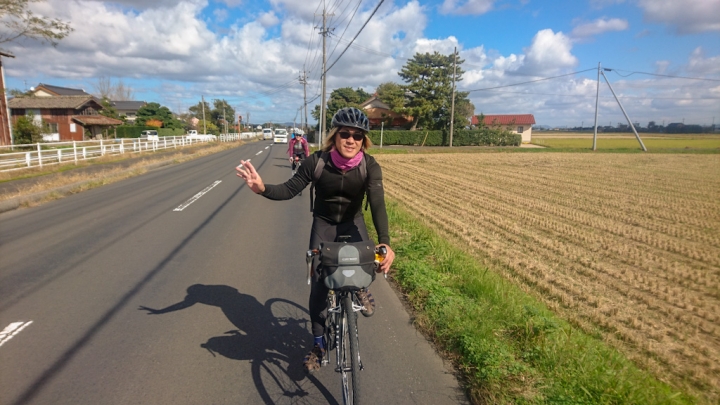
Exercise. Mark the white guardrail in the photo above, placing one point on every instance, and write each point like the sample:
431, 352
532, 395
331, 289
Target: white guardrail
17, 157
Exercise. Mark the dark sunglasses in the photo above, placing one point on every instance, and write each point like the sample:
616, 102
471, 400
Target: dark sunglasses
358, 136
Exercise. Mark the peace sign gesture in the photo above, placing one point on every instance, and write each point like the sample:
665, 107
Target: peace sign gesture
251, 176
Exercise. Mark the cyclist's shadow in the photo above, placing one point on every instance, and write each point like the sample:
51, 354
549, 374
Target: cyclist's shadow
274, 337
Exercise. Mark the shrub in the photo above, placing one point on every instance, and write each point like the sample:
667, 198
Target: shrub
26, 131
132, 131
462, 137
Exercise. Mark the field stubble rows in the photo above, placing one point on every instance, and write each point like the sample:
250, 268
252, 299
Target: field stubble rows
627, 246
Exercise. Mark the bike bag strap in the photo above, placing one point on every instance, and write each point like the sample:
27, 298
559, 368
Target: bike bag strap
348, 266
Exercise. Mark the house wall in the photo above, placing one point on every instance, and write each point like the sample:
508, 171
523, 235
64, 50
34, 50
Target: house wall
526, 131
63, 119
376, 115
42, 93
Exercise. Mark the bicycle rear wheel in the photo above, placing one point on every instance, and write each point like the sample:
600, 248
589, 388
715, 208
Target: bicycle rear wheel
350, 361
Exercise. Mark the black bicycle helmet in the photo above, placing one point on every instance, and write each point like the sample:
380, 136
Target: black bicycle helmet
351, 117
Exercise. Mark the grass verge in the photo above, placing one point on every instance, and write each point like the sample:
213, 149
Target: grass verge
508, 347
49, 178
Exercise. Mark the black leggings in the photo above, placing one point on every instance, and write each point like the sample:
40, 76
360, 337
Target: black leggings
323, 231
299, 155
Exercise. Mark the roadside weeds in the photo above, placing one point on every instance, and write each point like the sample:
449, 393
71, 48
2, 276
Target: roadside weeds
48, 184
508, 347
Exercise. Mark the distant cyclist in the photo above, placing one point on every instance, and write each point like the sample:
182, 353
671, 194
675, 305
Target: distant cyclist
339, 193
298, 146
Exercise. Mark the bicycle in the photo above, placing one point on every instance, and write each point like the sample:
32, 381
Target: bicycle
296, 162
348, 267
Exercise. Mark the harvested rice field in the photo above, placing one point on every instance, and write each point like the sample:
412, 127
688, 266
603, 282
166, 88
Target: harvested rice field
624, 246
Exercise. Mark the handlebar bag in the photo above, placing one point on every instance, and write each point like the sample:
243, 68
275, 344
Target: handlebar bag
348, 266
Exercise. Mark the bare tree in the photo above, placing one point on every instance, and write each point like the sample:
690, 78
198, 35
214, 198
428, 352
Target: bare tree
105, 88
123, 92
17, 20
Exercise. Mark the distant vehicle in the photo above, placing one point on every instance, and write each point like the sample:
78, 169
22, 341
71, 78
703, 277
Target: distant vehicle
192, 132
267, 133
149, 135
281, 136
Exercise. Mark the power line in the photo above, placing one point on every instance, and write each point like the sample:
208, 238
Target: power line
346, 27
364, 49
658, 75
531, 81
356, 35
591, 96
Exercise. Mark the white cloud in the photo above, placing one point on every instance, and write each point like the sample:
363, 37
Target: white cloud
699, 65
548, 53
167, 51
444, 46
598, 27
268, 19
232, 3
688, 16
142, 4
473, 7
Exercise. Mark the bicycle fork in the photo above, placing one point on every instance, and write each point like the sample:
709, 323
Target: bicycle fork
338, 325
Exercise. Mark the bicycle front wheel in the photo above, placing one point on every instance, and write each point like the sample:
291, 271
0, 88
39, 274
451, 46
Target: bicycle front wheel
350, 364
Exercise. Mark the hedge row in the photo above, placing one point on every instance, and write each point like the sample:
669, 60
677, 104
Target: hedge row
133, 131
463, 137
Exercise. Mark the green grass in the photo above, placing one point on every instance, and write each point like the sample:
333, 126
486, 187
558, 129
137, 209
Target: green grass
509, 348
705, 144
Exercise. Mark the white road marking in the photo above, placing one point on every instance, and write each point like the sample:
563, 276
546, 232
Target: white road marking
11, 330
241, 166
268, 146
258, 153
197, 196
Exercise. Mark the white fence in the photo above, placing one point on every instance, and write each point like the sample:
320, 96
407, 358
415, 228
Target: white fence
18, 157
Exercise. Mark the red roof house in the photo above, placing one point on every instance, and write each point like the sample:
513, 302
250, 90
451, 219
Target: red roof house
520, 123
66, 117
379, 112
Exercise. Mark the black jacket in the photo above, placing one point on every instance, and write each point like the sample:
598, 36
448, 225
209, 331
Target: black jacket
338, 195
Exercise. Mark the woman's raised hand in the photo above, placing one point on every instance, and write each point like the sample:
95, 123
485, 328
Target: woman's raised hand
251, 176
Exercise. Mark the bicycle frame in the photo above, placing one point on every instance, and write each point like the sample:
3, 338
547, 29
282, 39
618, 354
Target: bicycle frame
342, 335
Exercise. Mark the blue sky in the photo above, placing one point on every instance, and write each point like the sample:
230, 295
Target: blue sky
251, 53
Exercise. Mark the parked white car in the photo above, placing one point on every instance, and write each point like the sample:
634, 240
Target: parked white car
281, 136
267, 133
149, 135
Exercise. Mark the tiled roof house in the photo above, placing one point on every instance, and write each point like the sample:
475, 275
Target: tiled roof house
378, 112
67, 116
46, 90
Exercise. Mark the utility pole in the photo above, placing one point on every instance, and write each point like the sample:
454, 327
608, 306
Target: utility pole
203, 108
224, 119
642, 145
303, 80
325, 31
452, 102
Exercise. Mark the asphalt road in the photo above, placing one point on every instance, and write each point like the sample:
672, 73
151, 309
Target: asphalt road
118, 296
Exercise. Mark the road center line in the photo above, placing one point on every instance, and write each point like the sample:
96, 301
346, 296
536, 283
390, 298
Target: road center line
197, 196
268, 146
11, 330
258, 153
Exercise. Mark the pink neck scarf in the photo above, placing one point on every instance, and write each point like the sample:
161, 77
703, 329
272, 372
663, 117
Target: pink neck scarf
345, 164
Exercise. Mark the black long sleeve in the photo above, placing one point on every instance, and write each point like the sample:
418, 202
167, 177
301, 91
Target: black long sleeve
338, 195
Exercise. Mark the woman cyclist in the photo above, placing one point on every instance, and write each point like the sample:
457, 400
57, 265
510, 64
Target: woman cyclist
339, 193
298, 146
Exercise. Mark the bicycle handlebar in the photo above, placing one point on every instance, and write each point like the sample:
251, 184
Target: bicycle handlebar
380, 253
